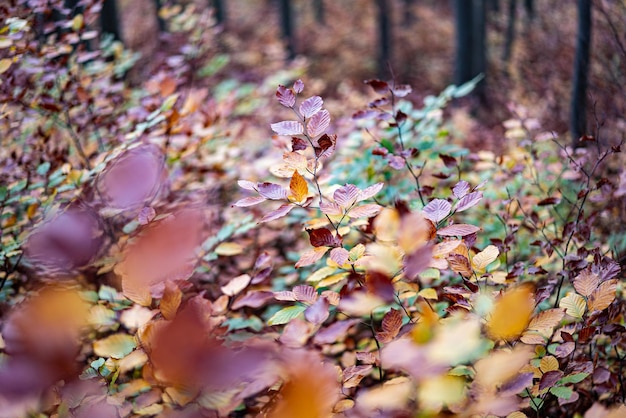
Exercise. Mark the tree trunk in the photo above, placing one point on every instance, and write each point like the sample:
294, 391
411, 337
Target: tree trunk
510, 31
286, 19
463, 35
109, 19
320, 15
220, 11
384, 37
578, 122
529, 6
409, 13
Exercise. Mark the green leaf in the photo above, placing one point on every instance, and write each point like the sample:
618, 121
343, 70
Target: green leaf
253, 323
117, 346
43, 168
574, 378
563, 392
286, 314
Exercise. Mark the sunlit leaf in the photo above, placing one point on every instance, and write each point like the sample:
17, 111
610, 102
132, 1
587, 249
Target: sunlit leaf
365, 211
501, 365
249, 201
369, 192
272, 191
311, 256
603, 296
487, 256
116, 346
548, 364
468, 201
311, 106
298, 187
392, 322
339, 255
547, 319
285, 96
172, 297
236, 285
428, 293
287, 127
511, 314
228, 249
345, 196
318, 124
435, 393
460, 264
574, 305
331, 208
286, 314
461, 189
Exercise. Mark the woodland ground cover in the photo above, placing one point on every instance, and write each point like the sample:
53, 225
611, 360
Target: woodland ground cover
203, 244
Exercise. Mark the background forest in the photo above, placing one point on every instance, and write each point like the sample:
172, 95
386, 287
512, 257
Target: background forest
283, 208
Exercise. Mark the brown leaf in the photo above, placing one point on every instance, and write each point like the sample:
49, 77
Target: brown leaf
172, 296
304, 293
392, 322
603, 296
546, 319
322, 237
311, 256
317, 313
353, 375
460, 264
586, 282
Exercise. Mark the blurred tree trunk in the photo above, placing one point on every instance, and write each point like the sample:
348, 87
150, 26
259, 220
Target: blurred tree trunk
219, 7
286, 23
160, 21
109, 19
408, 13
320, 15
529, 6
471, 50
494, 5
384, 37
510, 31
578, 122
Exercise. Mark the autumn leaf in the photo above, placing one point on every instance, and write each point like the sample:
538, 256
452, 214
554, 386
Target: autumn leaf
311, 256
586, 282
487, 256
468, 201
437, 210
547, 319
345, 196
318, 124
298, 187
285, 96
603, 296
511, 314
365, 211
459, 230
322, 237
392, 322
287, 128
283, 210
574, 305
311, 106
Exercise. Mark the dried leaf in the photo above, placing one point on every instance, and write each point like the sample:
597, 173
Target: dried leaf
296, 333
546, 320
586, 282
322, 237
461, 189
305, 293
437, 210
249, 201
379, 86
236, 285
331, 208
511, 314
339, 255
285, 96
603, 296
460, 264
459, 230
346, 195
116, 346
287, 127
369, 192
353, 375
392, 322
172, 296
318, 312
548, 364
272, 191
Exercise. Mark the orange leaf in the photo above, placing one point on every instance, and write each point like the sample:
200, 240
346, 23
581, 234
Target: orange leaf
172, 296
603, 296
511, 314
298, 187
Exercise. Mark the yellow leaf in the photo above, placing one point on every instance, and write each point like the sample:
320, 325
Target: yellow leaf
116, 346
500, 366
603, 296
511, 314
331, 280
517, 414
172, 296
546, 319
387, 225
5, 64
229, 249
487, 256
438, 391
549, 364
574, 305
298, 187
429, 293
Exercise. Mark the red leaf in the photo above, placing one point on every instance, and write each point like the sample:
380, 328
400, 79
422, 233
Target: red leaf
346, 195
285, 96
437, 210
326, 146
392, 322
549, 379
249, 201
380, 285
459, 230
318, 312
379, 86
549, 201
322, 237
278, 213
272, 191
468, 201
298, 144
287, 127
318, 124
311, 106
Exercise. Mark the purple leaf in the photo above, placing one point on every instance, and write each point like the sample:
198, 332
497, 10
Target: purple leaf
418, 261
278, 213
146, 215
339, 255
346, 195
318, 312
272, 191
458, 230
365, 211
437, 210
295, 334
369, 192
402, 90
246, 184
461, 189
298, 86
517, 384
285, 96
298, 144
305, 293
468, 201
287, 127
395, 162
253, 299
249, 201
564, 349
311, 106
333, 332
330, 208
318, 123
322, 237
550, 378
379, 86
